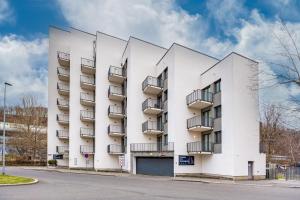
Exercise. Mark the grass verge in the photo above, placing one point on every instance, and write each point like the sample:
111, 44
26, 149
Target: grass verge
7, 179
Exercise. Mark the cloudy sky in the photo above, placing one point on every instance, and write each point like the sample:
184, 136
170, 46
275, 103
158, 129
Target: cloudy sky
214, 27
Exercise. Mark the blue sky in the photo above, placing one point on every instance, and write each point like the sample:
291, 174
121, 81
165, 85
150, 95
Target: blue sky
214, 27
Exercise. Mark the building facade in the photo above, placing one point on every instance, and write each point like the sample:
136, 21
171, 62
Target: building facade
129, 104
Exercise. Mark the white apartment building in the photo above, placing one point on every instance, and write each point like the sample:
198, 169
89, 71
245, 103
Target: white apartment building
153, 110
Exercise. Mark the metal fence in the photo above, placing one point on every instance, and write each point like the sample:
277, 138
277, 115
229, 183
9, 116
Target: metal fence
289, 173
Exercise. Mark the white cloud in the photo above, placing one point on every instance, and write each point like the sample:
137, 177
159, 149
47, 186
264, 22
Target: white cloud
6, 12
23, 63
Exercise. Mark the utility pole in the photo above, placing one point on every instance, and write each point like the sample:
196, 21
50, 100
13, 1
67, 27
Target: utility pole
4, 122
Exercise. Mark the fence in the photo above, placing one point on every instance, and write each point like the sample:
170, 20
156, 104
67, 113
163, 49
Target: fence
289, 173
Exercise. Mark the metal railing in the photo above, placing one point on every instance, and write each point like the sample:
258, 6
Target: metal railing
62, 149
87, 79
152, 81
115, 129
115, 109
87, 62
63, 71
62, 134
115, 71
151, 125
87, 97
63, 56
62, 118
86, 149
62, 86
115, 148
152, 147
86, 114
115, 90
199, 95
151, 103
199, 147
88, 132
62, 102
199, 121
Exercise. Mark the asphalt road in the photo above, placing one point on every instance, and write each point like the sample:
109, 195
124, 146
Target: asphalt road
66, 186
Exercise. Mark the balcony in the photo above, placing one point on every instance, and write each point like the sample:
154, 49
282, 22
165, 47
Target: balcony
85, 149
199, 148
152, 85
116, 149
62, 134
62, 149
87, 99
87, 132
116, 74
63, 59
116, 93
115, 130
63, 89
62, 119
152, 128
199, 124
88, 66
115, 112
87, 82
152, 106
63, 104
87, 116
63, 74
199, 99
152, 147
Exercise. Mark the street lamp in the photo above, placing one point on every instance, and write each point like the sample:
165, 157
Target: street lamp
3, 138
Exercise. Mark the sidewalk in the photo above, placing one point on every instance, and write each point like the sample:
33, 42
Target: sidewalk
77, 171
260, 183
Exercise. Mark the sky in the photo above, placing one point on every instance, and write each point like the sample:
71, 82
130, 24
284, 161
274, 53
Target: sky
213, 27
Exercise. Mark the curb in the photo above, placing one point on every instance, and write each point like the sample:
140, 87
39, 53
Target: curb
19, 184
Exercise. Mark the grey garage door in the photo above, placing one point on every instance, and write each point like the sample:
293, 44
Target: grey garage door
155, 166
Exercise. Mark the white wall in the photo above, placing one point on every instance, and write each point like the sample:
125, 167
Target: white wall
58, 41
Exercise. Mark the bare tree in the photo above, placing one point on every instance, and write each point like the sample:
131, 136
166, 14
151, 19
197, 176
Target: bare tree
30, 121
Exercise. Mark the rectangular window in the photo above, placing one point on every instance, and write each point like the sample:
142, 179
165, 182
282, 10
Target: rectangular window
217, 86
218, 137
165, 139
165, 95
166, 117
218, 112
166, 73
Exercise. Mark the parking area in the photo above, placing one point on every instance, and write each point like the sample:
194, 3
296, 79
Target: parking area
65, 186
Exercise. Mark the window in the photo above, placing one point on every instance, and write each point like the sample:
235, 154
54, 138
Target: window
166, 73
217, 86
165, 139
218, 112
205, 93
166, 117
165, 95
218, 137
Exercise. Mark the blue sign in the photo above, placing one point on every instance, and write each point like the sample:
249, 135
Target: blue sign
57, 156
186, 160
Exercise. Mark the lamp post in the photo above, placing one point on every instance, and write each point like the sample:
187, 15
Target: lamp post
3, 138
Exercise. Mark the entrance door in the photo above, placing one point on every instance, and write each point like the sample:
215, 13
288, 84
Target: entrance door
157, 166
205, 143
250, 170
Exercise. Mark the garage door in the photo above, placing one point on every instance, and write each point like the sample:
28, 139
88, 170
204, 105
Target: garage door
155, 166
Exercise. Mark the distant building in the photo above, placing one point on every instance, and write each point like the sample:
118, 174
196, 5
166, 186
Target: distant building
154, 110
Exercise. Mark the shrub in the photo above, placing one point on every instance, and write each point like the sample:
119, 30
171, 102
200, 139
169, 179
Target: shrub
52, 162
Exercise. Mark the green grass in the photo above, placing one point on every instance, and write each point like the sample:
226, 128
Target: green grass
7, 179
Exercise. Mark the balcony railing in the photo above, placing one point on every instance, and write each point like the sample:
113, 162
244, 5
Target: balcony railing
152, 127
87, 99
86, 149
62, 104
63, 134
115, 149
115, 130
200, 122
115, 111
116, 74
63, 89
152, 85
152, 106
87, 115
199, 99
63, 73
63, 59
62, 149
115, 93
88, 66
152, 147
87, 132
199, 147
87, 82
62, 118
